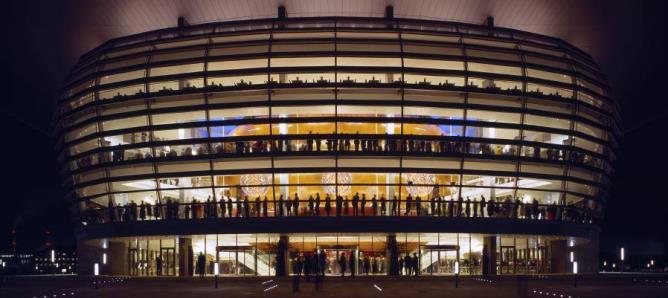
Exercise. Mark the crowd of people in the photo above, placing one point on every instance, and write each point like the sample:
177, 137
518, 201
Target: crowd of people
343, 206
349, 143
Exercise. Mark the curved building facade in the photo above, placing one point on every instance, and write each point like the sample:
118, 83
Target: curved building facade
256, 144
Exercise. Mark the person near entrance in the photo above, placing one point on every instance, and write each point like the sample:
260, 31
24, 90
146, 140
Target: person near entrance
351, 264
158, 265
342, 264
201, 262
416, 264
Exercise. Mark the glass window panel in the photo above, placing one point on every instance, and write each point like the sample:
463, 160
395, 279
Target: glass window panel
588, 145
136, 121
176, 69
549, 106
552, 122
546, 62
180, 55
542, 168
303, 111
91, 190
302, 61
435, 64
490, 116
123, 76
238, 96
494, 100
591, 130
181, 150
228, 81
379, 78
142, 169
238, 50
123, 139
123, 63
367, 35
237, 64
84, 146
302, 47
549, 90
494, 68
122, 107
431, 80
489, 165
433, 96
372, 111
550, 76
303, 128
239, 113
492, 54
495, 84
80, 132
368, 61
492, 132
546, 137
433, 50
176, 101
180, 134
367, 94
121, 91
431, 112
240, 130
366, 47
185, 117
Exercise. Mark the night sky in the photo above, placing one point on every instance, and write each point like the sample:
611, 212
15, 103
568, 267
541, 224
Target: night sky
631, 51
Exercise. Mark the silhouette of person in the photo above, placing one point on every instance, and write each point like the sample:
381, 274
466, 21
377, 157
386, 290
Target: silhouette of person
201, 262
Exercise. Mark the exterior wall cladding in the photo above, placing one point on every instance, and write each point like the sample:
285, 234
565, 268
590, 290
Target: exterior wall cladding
260, 145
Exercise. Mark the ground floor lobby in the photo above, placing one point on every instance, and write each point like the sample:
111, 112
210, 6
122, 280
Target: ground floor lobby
331, 253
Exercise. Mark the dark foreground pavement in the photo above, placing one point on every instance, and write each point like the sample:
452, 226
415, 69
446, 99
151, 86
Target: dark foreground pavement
604, 285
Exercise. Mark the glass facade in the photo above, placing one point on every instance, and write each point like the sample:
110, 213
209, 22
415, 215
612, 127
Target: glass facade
311, 117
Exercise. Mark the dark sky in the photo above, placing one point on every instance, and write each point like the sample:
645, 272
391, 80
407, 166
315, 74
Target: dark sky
630, 48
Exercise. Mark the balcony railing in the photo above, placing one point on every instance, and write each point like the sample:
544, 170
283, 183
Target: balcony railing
341, 208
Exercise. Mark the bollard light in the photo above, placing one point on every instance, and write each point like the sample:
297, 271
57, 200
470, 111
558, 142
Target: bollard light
215, 273
575, 274
651, 262
96, 269
53, 256
104, 258
621, 254
605, 263
456, 267
572, 257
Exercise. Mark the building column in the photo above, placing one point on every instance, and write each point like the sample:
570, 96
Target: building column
489, 256
282, 256
392, 260
117, 260
559, 256
185, 257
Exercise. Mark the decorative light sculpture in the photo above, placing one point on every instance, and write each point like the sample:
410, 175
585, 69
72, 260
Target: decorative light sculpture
255, 184
329, 179
420, 184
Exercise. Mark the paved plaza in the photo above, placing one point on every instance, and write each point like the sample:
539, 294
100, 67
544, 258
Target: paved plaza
424, 286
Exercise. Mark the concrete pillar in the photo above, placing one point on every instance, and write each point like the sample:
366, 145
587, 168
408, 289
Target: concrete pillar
282, 256
117, 260
559, 255
185, 257
392, 259
489, 256
87, 256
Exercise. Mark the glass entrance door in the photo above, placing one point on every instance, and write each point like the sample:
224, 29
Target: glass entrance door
508, 260
438, 260
168, 262
333, 255
240, 261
